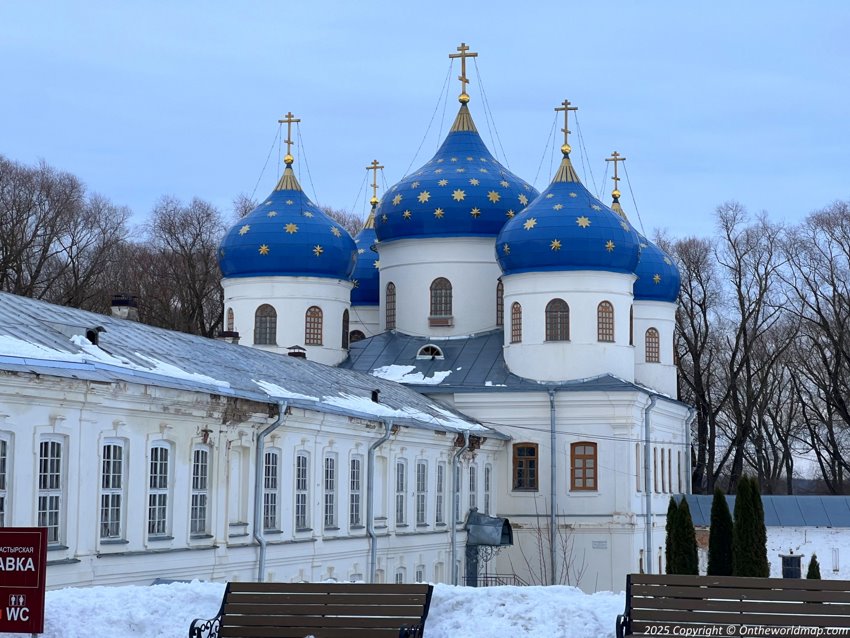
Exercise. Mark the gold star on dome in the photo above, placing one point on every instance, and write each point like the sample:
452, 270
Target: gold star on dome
459, 195
318, 250
656, 278
550, 195
667, 261
307, 213
454, 159
573, 195
460, 170
376, 263
384, 217
360, 251
442, 182
438, 213
289, 202
264, 250
469, 159
510, 213
414, 185
494, 196
526, 187
268, 201
530, 223
397, 200
271, 213
506, 249
483, 170
558, 206
483, 159
583, 221
625, 226
244, 229
356, 283
424, 196
555, 245
406, 214
609, 246
642, 246
335, 231
596, 207
291, 228
523, 199
474, 182
438, 171
504, 183
475, 212
440, 161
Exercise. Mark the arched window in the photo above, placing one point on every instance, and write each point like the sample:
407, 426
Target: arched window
441, 297
605, 321
516, 323
313, 326
583, 472
265, 326
355, 336
557, 320
653, 346
500, 304
345, 328
230, 320
631, 325
429, 351
389, 306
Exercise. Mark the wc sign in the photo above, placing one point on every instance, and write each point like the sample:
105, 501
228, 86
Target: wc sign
23, 568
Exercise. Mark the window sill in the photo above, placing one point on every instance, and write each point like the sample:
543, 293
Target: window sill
57, 548
303, 530
272, 531
440, 321
238, 524
439, 525
197, 537
114, 541
160, 538
242, 535
579, 492
422, 525
356, 527
525, 489
401, 525
331, 529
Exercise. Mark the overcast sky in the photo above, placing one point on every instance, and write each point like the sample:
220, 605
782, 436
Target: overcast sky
709, 101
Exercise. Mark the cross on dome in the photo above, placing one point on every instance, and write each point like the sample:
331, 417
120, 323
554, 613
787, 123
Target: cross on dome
616, 158
289, 119
463, 48
566, 107
374, 167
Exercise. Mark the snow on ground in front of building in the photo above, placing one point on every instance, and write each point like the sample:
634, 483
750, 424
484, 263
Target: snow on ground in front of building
405, 374
830, 544
166, 611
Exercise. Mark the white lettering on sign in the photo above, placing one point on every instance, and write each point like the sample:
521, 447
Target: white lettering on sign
17, 550
16, 564
18, 613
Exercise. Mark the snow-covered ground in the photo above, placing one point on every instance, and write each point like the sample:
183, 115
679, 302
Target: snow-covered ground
166, 611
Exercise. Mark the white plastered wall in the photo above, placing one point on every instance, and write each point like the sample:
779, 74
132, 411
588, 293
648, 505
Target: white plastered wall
660, 315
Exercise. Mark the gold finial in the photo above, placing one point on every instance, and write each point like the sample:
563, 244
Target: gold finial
566, 108
616, 158
374, 167
463, 98
289, 118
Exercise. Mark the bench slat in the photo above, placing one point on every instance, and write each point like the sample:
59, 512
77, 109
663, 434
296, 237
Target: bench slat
643, 591
738, 582
676, 616
318, 621
319, 599
295, 632
746, 606
329, 588
326, 609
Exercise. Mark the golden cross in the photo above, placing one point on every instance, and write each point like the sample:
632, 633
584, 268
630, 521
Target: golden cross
566, 108
462, 77
374, 166
616, 157
289, 118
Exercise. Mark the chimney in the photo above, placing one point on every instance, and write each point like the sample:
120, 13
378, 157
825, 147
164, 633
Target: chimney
297, 351
376, 396
125, 306
228, 336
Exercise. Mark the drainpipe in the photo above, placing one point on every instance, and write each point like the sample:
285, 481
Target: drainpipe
455, 503
692, 414
370, 496
259, 462
553, 494
647, 482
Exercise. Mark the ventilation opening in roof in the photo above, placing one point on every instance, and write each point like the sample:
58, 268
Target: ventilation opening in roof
429, 352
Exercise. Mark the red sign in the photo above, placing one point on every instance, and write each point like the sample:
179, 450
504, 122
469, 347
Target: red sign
23, 571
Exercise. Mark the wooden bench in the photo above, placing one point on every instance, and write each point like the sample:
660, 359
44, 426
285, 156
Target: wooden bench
729, 606
323, 610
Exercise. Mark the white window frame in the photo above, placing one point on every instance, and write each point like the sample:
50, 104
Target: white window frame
113, 489
302, 491
400, 575
159, 489
5, 478
355, 491
400, 492
199, 504
271, 490
420, 574
473, 486
52, 488
456, 492
488, 485
440, 510
329, 481
421, 492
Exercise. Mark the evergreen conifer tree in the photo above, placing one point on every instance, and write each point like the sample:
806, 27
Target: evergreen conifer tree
686, 539
744, 538
762, 567
814, 568
720, 537
670, 556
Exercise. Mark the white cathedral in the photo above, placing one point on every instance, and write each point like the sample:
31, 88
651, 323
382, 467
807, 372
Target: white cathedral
478, 347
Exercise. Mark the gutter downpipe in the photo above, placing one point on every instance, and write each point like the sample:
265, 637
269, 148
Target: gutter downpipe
258, 486
456, 503
692, 414
647, 483
553, 495
370, 496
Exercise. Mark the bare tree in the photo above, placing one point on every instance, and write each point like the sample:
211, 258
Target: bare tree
242, 205
348, 220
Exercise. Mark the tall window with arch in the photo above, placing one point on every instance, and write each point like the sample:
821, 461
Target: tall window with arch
265, 326
389, 306
345, 335
271, 490
313, 326
631, 325
199, 508
500, 304
653, 346
4, 479
51, 488
441, 297
159, 488
302, 487
112, 490
557, 320
605, 321
230, 320
516, 323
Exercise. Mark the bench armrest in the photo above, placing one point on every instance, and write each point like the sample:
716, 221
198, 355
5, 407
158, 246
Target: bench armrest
201, 628
410, 631
623, 626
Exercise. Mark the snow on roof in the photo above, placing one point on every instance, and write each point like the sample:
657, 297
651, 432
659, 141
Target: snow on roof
405, 374
34, 337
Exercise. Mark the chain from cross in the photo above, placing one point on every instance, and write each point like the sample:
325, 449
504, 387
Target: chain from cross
374, 167
463, 48
289, 119
616, 158
566, 107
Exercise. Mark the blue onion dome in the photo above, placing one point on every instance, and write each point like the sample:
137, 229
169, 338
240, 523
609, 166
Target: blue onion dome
658, 278
463, 191
366, 273
567, 228
287, 235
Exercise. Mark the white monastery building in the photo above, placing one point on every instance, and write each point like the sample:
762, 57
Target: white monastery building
478, 347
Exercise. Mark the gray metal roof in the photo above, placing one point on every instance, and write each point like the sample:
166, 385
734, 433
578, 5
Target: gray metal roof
783, 510
475, 364
34, 338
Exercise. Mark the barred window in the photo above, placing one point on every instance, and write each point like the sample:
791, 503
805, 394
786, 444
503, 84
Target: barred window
500, 303
456, 494
200, 491
488, 472
605, 321
389, 306
355, 493
271, 490
663, 474
313, 326
473, 487
265, 326
230, 319
557, 320
631, 325
525, 466
112, 491
583, 472
330, 492
638, 462
653, 346
441, 297
355, 336
51, 489
158, 483
400, 493
301, 491
345, 335
440, 517
421, 492
516, 323
4, 469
